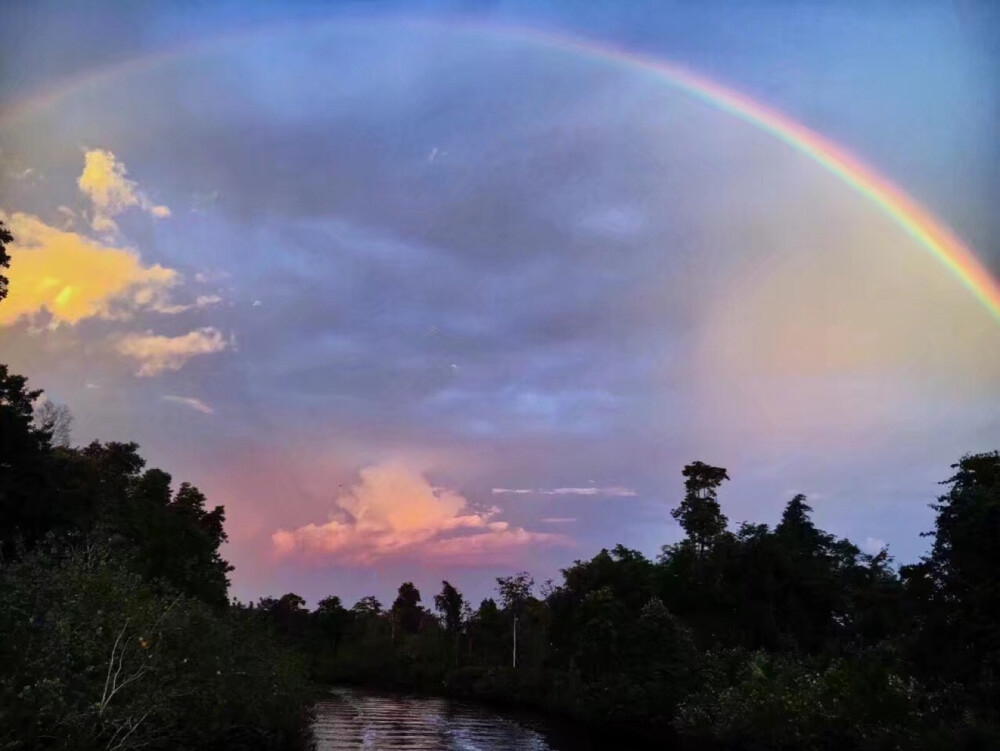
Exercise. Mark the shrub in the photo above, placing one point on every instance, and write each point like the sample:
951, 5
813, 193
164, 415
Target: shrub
93, 658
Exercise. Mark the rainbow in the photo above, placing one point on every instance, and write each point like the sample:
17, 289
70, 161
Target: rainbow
917, 221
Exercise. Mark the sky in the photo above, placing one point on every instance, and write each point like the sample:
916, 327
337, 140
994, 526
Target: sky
416, 296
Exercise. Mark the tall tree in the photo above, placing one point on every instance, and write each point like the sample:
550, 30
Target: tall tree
515, 591
406, 610
699, 513
449, 604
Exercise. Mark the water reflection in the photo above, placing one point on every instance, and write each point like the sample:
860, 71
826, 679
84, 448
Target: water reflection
360, 720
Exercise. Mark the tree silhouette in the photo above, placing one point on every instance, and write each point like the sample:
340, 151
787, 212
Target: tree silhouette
699, 513
406, 610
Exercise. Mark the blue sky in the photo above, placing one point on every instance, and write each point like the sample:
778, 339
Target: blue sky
361, 280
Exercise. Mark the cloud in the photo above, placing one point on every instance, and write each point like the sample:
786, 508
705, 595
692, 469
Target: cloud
873, 546
69, 216
156, 353
558, 520
393, 512
211, 275
202, 301
103, 180
72, 277
189, 401
612, 492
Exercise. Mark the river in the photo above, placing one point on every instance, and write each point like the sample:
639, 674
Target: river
354, 719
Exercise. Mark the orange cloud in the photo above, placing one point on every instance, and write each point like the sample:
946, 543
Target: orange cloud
72, 277
394, 512
103, 180
156, 353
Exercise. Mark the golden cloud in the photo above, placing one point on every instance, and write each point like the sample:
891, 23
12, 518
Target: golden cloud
72, 277
394, 512
104, 181
156, 353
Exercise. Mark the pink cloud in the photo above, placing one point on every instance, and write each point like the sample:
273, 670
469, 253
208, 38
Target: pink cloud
393, 512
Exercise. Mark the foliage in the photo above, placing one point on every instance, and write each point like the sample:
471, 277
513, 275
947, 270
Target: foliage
768, 701
95, 659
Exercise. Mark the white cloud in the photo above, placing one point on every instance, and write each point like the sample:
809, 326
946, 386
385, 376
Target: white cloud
189, 401
156, 353
394, 512
873, 545
558, 520
210, 276
202, 301
611, 492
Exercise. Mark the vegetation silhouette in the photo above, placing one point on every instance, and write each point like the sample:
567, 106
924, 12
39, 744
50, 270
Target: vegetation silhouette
118, 632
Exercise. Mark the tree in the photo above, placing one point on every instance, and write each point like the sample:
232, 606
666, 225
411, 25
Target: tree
957, 586
331, 619
24, 461
5, 239
449, 604
796, 529
699, 513
57, 421
367, 607
515, 591
406, 610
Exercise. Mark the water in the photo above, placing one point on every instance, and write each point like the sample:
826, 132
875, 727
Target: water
353, 720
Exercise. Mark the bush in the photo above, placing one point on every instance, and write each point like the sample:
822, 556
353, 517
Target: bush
763, 701
93, 658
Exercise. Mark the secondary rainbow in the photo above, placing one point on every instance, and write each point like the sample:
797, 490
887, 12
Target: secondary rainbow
910, 216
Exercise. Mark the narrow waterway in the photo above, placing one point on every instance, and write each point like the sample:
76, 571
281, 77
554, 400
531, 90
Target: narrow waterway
353, 719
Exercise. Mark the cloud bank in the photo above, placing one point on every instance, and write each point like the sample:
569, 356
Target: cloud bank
395, 513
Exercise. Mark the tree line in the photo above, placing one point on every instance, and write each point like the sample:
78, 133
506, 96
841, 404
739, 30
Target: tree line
785, 637
118, 631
